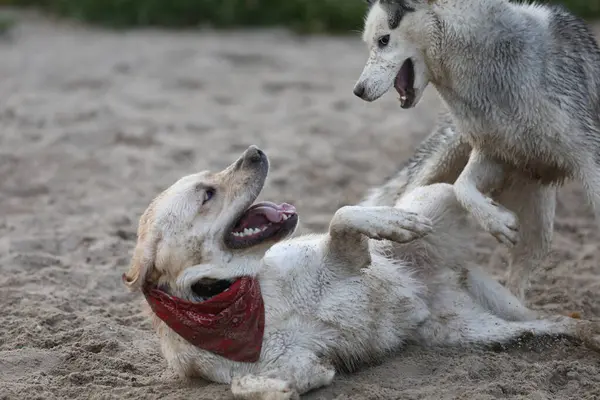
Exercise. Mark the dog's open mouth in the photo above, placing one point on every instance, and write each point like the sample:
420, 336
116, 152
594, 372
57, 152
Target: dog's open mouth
209, 288
262, 221
404, 84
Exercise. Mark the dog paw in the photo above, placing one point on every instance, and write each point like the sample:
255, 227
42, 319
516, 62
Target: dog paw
499, 222
382, 222
589, 333
401, 226
250, 387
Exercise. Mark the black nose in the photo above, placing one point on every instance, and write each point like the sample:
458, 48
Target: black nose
254, 154
359, 90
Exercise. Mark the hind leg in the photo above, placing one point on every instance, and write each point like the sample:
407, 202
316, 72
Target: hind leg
590, 177
457, 320
495, 298
488, 329
535, 205
438, 202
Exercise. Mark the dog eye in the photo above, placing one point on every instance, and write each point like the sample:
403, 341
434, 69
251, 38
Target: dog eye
208, 194
384, 40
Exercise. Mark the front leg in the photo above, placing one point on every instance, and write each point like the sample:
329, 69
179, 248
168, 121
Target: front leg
257, 387
352, 226
482, 175
297, 372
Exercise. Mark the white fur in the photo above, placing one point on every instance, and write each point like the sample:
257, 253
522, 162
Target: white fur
336, 300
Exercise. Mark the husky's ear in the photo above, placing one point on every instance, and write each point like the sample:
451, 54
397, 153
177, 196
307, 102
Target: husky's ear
144, 254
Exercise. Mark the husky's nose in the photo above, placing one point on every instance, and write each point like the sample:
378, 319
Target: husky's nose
359, 90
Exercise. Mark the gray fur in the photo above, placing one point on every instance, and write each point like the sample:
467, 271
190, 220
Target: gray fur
396, 10
522, 85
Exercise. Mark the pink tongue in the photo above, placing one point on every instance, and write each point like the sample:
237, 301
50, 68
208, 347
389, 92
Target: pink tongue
271, 213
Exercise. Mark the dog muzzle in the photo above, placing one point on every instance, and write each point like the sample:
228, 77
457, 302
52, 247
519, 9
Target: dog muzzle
230, 324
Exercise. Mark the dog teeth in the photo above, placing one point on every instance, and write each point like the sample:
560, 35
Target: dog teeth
254, 231
249, 231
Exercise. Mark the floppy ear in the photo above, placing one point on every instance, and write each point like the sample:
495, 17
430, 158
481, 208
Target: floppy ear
144, 254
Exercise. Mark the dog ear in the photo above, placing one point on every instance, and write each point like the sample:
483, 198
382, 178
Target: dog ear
144, 254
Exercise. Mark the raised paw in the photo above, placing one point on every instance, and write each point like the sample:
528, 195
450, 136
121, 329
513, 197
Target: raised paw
399, 226
589, 333
499, 222
252, 387
380, 223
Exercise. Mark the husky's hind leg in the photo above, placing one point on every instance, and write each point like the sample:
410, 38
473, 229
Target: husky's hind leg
535, 205
590, 177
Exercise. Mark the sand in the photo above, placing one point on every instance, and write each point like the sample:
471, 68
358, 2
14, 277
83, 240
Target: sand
93, 124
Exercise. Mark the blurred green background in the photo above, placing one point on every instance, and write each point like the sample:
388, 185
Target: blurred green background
333, 16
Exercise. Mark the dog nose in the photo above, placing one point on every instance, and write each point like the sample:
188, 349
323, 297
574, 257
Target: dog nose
254, 154
359, 90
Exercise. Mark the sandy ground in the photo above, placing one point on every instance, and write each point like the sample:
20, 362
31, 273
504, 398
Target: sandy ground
94, 124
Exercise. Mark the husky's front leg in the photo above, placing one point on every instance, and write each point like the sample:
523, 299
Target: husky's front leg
482, 175
352, 226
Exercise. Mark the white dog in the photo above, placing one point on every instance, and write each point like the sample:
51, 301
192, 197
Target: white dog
210, 262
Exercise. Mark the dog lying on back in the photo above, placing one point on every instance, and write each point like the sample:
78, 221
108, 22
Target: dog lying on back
236, 301
522, 83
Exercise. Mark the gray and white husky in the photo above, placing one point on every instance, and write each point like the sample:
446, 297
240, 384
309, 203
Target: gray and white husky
522, 84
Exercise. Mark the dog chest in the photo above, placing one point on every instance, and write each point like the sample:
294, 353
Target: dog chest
538, 157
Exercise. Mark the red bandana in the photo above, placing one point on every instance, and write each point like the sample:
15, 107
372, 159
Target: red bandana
230, 324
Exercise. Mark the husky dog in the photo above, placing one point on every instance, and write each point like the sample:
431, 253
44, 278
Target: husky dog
378, 278
522, 84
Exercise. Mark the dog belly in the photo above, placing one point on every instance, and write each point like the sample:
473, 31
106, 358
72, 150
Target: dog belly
380, 317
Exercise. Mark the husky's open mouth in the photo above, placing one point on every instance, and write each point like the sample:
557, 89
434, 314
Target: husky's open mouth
261, 222
404, 84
